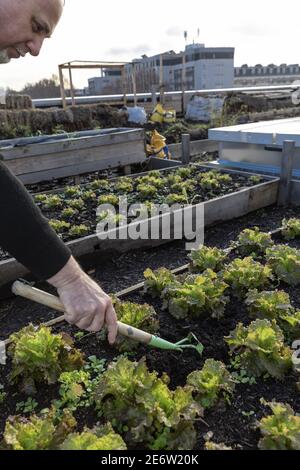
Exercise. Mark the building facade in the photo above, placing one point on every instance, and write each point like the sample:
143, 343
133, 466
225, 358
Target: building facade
198, 67
203, 68
109, 83
266, 75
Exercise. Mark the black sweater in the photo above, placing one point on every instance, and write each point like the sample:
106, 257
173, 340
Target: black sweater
25, 232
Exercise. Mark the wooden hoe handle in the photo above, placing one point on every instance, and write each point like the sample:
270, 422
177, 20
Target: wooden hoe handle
31, 293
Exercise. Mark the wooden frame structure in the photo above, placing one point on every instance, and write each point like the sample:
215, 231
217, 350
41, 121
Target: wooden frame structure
81, 64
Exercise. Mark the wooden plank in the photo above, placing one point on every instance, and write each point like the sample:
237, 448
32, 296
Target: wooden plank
114, 152
197, 147
72, 170
11, 269
71, 144
226, 207
160, 164
288, 152
267, 192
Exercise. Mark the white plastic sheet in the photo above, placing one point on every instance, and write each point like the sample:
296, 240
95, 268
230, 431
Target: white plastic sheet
137, 115
204, 109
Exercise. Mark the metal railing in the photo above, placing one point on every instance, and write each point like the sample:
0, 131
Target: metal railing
56, 102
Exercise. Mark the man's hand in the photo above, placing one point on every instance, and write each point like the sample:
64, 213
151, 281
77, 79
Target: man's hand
87, 306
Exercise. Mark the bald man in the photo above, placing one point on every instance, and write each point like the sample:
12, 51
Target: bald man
24, 232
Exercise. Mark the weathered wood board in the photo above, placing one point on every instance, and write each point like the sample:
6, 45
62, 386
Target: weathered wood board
36, 162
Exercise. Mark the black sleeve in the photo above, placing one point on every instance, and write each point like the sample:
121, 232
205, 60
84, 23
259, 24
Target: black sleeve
25, 232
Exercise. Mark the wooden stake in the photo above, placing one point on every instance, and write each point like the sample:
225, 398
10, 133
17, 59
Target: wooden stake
71, 85
62, 87
288, 152
161, 80
186, 148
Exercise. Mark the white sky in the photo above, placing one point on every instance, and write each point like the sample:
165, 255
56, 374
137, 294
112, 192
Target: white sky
261, 32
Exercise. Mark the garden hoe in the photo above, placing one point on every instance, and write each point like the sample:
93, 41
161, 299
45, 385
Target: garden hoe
190, 342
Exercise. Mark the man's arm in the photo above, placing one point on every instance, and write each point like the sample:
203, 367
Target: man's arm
26, 235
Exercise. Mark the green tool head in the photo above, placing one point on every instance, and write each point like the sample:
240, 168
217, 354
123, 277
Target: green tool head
190, 342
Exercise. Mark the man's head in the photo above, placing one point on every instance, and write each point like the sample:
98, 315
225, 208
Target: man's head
25, 24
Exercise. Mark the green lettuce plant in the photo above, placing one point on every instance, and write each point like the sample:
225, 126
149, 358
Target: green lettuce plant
154, 173
260, 349
269, 304
143, 410
290, 229
184, 186
39, 356
207, 258
184, 173
79, 230
245, 274
124, 185
139, 316
174, 179
100, 438
275, 305
102, 185
177, 188
209, 184
190, 185
28, 406
285, 263
280, 430
111, 218
68, 213
89, 195
198, 296
211, 383
108, 199
40, 198
224, 179
59, 226
77, 204
52, 203
146, 191
159, 183
176, 199
209, 181
157, 281
255, 179
72, 191
253, 242
74, 389
156, 182
38, 433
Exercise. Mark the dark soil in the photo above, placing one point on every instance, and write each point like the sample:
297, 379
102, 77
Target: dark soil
233, 425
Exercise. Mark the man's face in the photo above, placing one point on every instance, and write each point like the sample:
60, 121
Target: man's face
25, 24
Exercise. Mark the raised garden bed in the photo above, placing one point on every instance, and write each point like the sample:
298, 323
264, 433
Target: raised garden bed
225, 195
233, 417
36, 159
